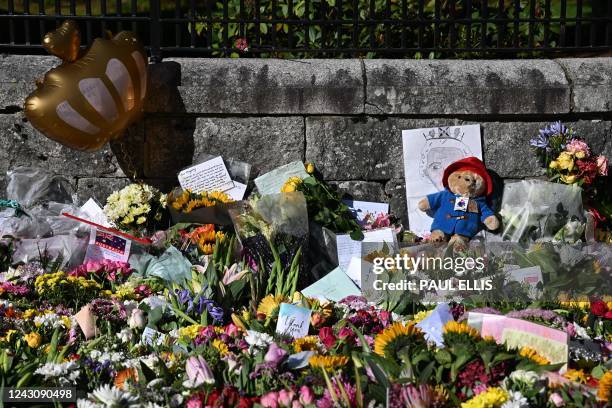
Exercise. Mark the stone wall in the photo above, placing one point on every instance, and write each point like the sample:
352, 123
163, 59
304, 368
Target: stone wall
344, 115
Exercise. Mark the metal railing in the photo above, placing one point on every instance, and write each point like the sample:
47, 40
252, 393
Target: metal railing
325, 28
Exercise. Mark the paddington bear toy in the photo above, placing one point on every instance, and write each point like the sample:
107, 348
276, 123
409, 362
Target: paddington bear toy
461, 209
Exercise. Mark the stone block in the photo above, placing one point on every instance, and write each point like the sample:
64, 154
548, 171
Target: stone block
591, 80
361, 190
271, 86
436, 87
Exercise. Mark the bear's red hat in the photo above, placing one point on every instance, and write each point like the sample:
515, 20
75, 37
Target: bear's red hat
472, 164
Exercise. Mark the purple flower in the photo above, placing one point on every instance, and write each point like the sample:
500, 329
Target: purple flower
539, 314
216, 312
275, 354
198, 371
183, 296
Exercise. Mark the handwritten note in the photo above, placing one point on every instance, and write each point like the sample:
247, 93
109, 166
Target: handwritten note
105, 245
372, 241
359, 270
293, 321
334, 286
237, 192
273, 181
211, 175
362, 208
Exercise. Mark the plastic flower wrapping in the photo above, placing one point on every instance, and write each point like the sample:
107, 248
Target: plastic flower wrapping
225, 309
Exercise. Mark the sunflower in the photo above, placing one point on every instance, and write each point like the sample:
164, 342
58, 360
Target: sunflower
308, 343
533, 355
460, 328
269, 304
576, 375
221, 347
328, 362
393, 335
604, 392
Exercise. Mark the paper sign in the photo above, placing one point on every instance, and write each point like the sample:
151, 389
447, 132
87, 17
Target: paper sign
516, 333
334, 286
427, 152
530, 276
104, 245
348, 248
361, 208
273, 181
433, 324
293, 321
86, 321
152, 337
92, 211
211, 175
237, 192
356, 268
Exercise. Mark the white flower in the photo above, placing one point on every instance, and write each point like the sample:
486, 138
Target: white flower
515, 400
125, 335
112, 397
526, 377
258, 339
63, 373
581, 331
83, 403
137, 319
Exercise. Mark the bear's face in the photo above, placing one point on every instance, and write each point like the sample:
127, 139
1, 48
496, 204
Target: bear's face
466, 183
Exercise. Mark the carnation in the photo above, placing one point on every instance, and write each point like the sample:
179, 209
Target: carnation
578, 148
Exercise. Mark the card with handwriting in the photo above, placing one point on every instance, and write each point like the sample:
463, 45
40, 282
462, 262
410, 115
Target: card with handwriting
273, 181
293, 321
211, 175
334, 286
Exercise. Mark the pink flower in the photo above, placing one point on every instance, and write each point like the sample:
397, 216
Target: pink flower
198, 371
306, 395
269, 400
346, 333
285, 397
232, 330
242, 44
556, 399
326, 334
297, 404
275, 354
602, 165
578, 148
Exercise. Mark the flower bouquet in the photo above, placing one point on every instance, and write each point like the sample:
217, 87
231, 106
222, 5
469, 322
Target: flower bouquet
186, 206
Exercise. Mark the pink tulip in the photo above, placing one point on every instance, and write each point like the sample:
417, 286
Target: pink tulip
198, 371
285, 397
269, 400
275, 354
306, 395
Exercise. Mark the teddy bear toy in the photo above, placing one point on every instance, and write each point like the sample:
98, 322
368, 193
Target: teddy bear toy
461, 208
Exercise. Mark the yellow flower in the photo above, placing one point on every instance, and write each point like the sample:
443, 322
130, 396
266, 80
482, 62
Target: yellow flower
554, 164
328, 362
580, 154
391, 334
8, 335
576, 375
220, 346
239, 322
604, 393
308, 343
291, 184
566, 161
533, 355
460, 328
29, 314
422, 315
493, 397
569, 178
33, 339
190, 331
269, 304
310, 167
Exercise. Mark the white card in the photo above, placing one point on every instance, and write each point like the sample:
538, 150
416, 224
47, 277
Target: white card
361, 208
152, 337
358, 267
461, 204
211, 175
237, 193
349, 248
92, 212
293, 320
273, 181
104, 245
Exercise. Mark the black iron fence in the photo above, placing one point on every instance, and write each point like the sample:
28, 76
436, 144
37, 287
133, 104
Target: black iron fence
325, 28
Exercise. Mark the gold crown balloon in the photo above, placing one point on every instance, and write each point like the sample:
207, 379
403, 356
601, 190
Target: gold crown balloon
94, 95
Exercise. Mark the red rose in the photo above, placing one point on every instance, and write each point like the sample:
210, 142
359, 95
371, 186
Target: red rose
326, 334
599, 308
608, 315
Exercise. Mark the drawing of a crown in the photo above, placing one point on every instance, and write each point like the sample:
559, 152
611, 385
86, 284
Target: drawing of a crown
444, 133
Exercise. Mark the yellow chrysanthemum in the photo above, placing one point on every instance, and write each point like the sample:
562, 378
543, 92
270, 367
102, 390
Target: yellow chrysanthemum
391, 334
493, 397
328, 362
308, 343
604, 392
221, 347
576, 375
190, 331
269, 304
460, 328
291, 184
422, 315
533, 355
